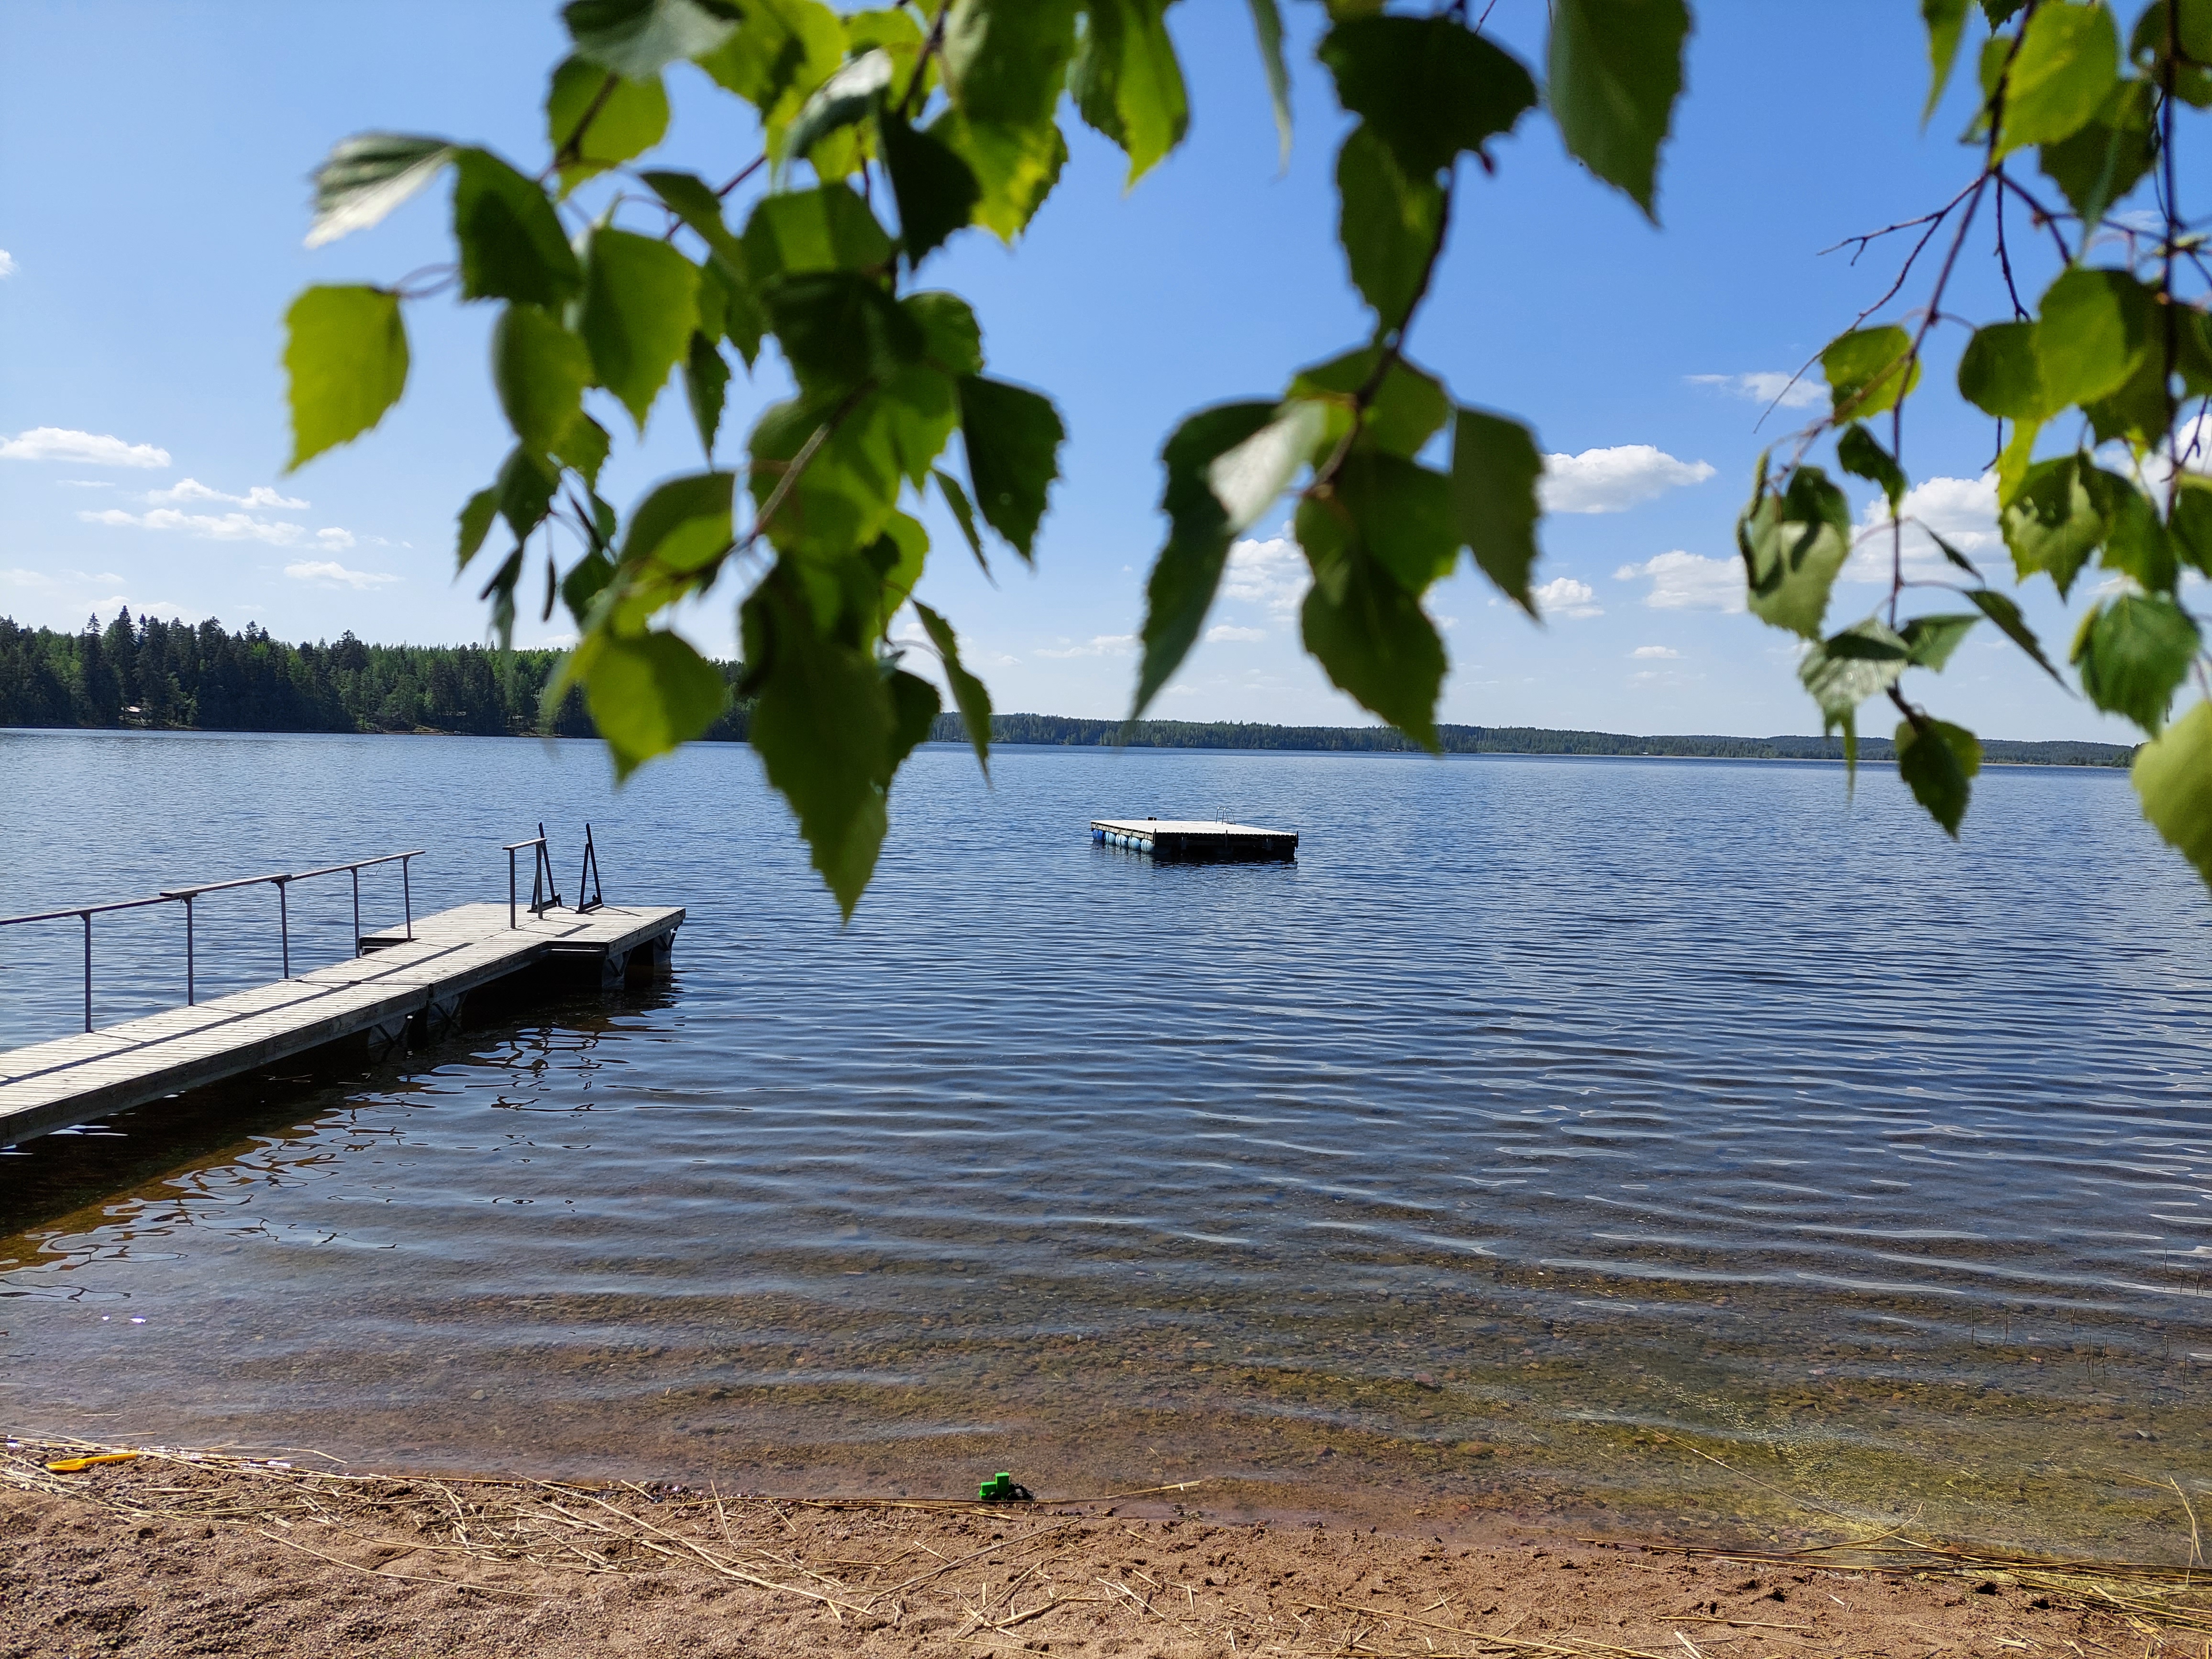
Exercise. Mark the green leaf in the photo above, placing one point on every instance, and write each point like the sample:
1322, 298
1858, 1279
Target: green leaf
1012, 436
781, 53
2174, 778
2067, 59
847, 98
706, 379
915, 708
1844, 670
365, 176
2000, 610
476, 517
1015, 166
511, 244
1250, 477
2133, 654
625, 118
500, 590
1860, 455
793, 232
345, 350
1367, 632
540, 370
641, 306
683, 525
583, 445
1946, 20
1401, 512
2141, 410
2051, 522
1127, 81
640, 38
1868, 370
1616, 68
1793, 542
648, 693
687, 196
821, 724
1267, 28
951, 339
1406, 409
936, 191
1185, 576
1427, 87
2108, 157
1938, 761
1005, 60
969, 693
1496, 467
2001, 374
525, 486
2192, 81
2135, 541
1388, 223
1958, 560
2096, 328
1931, 640
586, 581
963, 514
2191, 529
846, 490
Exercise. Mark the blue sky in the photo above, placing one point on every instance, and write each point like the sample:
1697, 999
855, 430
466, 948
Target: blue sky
153, 202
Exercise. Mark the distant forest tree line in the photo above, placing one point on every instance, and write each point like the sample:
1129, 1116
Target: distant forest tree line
153, 674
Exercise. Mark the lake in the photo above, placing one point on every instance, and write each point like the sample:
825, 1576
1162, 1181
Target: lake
1552, 1128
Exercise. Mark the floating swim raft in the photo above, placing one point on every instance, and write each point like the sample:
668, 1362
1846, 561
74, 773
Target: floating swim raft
1197, 841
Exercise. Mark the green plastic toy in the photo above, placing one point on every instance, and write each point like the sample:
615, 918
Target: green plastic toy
1000, 1489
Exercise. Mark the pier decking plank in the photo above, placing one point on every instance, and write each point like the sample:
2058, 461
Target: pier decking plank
51, 1086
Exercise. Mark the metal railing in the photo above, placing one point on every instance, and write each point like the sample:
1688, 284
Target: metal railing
544, 895
186, 896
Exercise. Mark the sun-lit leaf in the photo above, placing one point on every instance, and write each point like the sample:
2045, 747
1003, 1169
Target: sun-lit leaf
2000, 609
781, 51
1366, 630
687, 196
345, 353
365, 176
838, 329
2001, 374
963, 514
970, 695
844, 494
583, 445
1180, 589
1868, 370
2107, 157
1429, 87
1249, 477
1946, 19
2095, 328
706, 380
1015, 166
595, 119
1127, 81
647, 693
1931, 640
511, 244
540, 371
1842, 671
683, 524
1388, 222
1860, 454
474, 523
1793, 542
641, 306
1401, 512
2133, 653
1496, 467
1938, 761
1006, 60
793, 233
2136, 541
1615, 71
2068, 59
2189, 529
1405, 411
2052, 524
1267, 28
849, 96
525, 486
2173, 779
1012, 436
640, 38
936, 191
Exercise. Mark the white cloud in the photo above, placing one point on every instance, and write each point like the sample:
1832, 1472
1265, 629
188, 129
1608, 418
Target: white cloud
1564, 596
1768, 387
330, 575
8, 266
1683, 581
225, 527
191, 489
1664, 651
84, 483
1962, 511
55, 443
1272, 574
1101, 645
1222, 633
1613, 480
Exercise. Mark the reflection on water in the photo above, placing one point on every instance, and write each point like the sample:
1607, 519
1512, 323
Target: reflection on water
1545, 1116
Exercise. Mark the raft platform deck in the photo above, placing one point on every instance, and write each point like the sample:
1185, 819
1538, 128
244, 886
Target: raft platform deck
412, 978
1197, 841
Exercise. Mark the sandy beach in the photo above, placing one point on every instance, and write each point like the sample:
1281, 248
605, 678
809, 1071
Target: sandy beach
199, 1555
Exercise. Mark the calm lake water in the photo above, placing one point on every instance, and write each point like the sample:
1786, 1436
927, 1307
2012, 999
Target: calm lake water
1551, 1128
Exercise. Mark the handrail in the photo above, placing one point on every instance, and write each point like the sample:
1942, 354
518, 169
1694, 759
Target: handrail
544, 895
185, 896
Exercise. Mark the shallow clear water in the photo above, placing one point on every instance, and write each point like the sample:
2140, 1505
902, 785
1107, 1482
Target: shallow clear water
1550, 1122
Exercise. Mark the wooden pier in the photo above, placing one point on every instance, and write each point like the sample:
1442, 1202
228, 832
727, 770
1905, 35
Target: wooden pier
1196, 840
411, 979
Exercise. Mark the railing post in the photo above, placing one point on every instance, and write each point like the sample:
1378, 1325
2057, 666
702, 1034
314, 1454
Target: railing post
284, 927
190, 997
510, 887
407, 894
87, 970
356, 873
